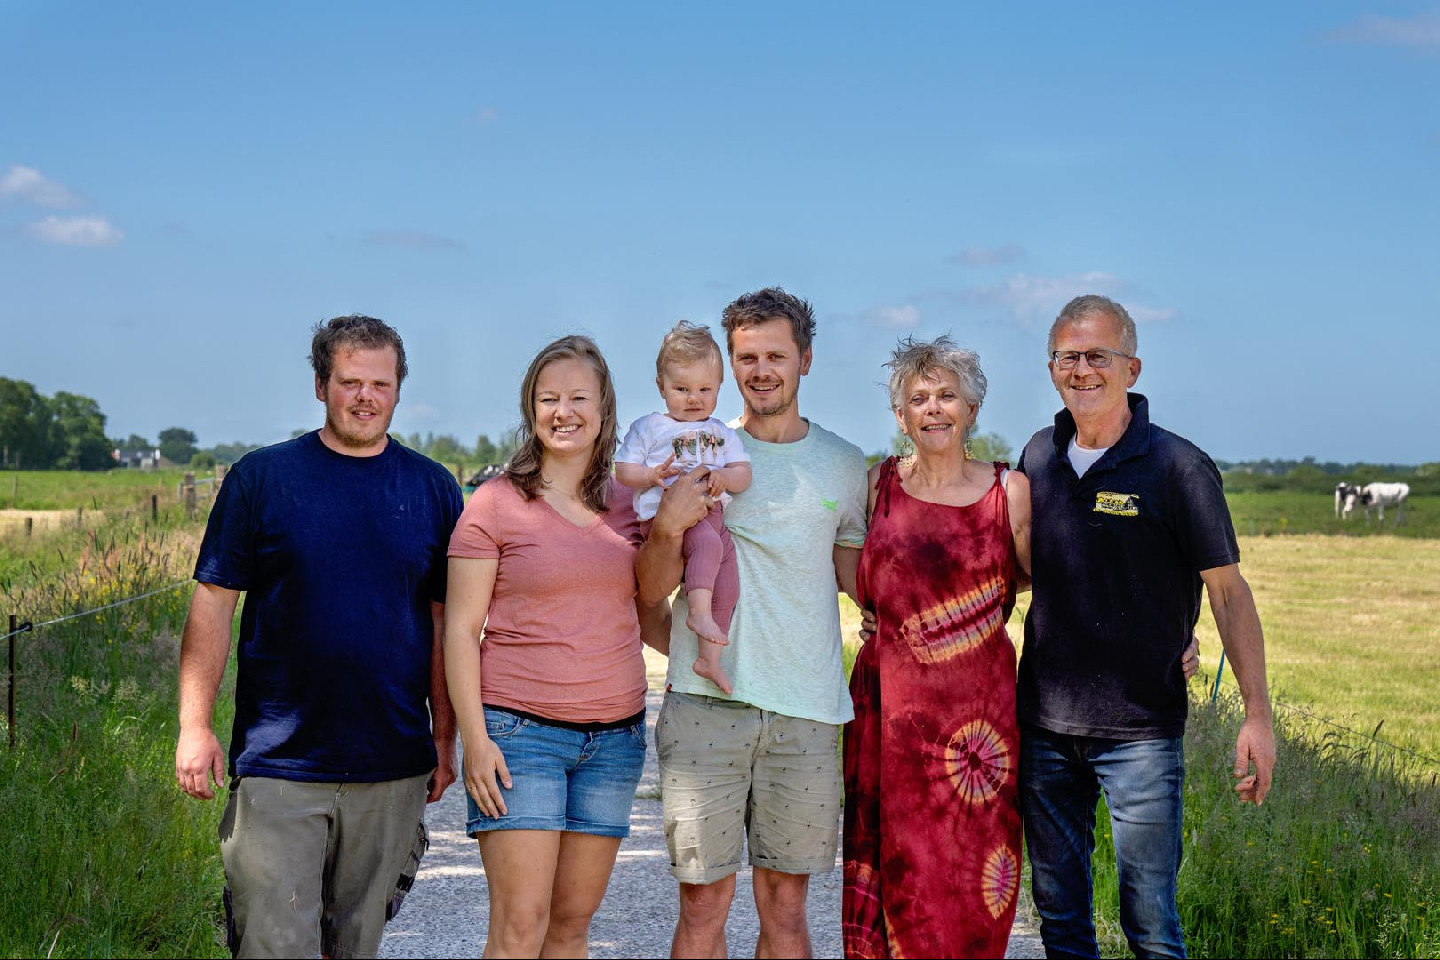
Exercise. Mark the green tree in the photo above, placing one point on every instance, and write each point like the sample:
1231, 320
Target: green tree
203, 460
445, 449
983, 446
230, 452
26, 422
486, 452
177, 444
134, 444
990, 446
79, 427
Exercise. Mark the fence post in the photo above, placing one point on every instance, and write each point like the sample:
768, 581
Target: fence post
1219, 672
188, 486
10, 699
221, 469
154, 508
79, 516
29, 526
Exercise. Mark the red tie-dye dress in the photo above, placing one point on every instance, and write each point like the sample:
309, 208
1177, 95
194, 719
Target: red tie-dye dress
932, 822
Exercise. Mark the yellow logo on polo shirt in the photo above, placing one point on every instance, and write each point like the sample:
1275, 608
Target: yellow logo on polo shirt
1117, 504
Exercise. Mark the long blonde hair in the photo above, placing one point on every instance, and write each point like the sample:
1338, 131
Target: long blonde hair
524, 467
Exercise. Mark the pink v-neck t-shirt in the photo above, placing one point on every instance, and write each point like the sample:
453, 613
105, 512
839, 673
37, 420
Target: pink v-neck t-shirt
562, 639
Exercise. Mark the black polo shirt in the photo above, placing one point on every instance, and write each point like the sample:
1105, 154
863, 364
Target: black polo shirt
1116, 561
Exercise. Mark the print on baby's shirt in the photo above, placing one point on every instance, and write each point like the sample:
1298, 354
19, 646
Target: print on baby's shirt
695, 444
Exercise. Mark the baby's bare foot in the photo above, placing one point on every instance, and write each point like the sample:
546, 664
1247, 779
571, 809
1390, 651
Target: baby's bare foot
712, 638
712, 671
704, 626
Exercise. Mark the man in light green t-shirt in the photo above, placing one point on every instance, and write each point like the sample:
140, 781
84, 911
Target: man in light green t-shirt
761, 762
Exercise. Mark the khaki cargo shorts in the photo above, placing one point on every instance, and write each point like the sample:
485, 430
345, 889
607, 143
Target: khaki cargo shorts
729, 771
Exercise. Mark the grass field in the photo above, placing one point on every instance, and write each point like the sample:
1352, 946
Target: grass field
1282, 512
116, 490
1352, 630
102, 855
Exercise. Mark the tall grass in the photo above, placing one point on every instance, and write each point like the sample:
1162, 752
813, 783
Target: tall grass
1343, 860
101, 854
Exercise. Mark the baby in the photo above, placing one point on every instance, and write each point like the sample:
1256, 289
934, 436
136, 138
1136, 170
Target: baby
662, 446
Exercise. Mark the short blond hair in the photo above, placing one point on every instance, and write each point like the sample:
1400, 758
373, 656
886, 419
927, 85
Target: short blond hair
688, 343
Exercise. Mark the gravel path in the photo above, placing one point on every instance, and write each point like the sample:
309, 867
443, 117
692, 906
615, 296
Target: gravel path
445, 914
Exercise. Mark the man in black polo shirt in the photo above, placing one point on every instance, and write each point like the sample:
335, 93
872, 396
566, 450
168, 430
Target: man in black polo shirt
1128, 521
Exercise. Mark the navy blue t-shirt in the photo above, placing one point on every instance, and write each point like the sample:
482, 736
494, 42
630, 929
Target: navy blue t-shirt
1116, 557
340, 558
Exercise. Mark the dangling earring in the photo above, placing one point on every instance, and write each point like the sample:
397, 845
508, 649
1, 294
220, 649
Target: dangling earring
969, 454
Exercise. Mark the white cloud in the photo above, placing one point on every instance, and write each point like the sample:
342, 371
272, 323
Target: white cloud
987, 256
1029, 299
1422, 30
413, 239
1143, 314
29, 184
484, 115
898, 318
76, 231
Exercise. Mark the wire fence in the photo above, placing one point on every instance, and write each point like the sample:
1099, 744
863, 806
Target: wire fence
18, 627
27, 626
1291, 708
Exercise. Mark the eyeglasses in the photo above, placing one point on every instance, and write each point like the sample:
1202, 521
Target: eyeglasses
1098, 358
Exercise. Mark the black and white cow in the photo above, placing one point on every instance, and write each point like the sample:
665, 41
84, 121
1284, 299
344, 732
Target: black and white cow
1378, 496
1346, 496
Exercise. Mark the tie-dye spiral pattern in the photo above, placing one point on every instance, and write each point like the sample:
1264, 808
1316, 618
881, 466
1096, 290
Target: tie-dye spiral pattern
932, 825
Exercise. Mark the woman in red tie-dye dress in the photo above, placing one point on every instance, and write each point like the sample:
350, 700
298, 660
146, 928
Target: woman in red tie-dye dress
932, 823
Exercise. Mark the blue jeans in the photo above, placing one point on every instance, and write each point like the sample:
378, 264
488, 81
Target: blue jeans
1061, 778
565, 780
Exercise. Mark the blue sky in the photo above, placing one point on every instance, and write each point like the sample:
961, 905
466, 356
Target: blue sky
186, 188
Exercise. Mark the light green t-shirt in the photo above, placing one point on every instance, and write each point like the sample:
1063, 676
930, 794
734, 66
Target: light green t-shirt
784, 652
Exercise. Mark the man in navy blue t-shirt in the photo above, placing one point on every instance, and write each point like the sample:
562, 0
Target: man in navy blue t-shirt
1129, 521
343, 729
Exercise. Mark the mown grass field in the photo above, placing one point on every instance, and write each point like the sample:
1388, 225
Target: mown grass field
67, 489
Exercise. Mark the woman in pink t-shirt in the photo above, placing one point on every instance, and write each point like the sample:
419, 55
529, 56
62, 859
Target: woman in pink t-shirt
551, 705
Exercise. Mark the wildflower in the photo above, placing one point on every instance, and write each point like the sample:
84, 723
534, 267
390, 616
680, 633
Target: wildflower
128, 689
80, 685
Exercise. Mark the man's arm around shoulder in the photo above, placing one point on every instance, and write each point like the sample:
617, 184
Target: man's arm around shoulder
204, 648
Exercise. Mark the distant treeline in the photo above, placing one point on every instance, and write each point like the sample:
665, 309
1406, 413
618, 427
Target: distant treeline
449, 450
1310, 476
63, 432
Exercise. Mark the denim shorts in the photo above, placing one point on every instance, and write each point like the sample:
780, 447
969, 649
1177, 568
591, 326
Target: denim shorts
563, 779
